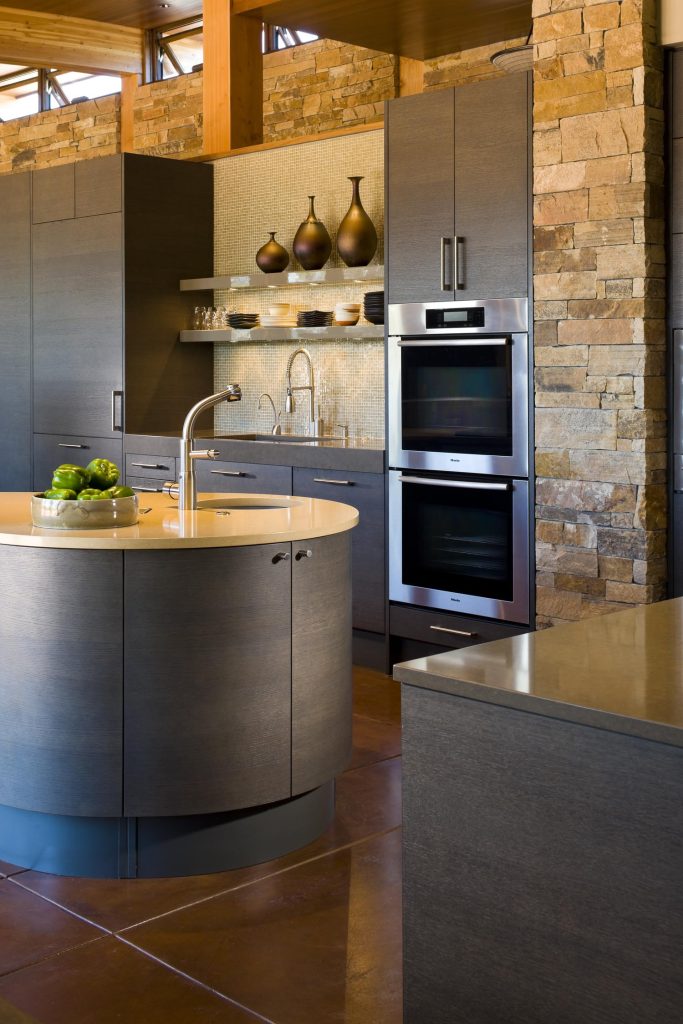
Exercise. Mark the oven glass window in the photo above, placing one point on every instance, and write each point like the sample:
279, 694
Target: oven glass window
457, 398
458, 540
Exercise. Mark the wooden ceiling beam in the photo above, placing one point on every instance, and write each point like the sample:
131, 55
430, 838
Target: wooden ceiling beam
70, 44
232, 79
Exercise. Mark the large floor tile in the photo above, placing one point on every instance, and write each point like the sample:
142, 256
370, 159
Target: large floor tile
376, 695
107, 982
368, 802
374, 740
317, 945
9, 869
31, 929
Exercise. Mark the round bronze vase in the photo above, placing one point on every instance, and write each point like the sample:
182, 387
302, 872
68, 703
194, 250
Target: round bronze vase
356, 237
272, 257
312, 244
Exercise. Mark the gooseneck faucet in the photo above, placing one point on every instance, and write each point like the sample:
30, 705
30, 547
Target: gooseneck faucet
187, 482
290, 404
277, 429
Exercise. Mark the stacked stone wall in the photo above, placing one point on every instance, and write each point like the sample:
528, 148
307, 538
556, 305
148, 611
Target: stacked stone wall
466, 66
167, 117
78, 132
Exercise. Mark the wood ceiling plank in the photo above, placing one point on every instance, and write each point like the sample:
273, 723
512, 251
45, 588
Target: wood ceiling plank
43, 40
132, 13
412, 28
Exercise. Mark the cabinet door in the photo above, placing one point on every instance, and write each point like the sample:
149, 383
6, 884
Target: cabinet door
15, 333
77, 325
321, 660
492, 187
218, 738
419, 195
364, 491
54, 194
246, 477
98, 186
50, 450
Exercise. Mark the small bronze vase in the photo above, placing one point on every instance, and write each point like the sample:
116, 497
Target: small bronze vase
356, 237
272, 257
312, 244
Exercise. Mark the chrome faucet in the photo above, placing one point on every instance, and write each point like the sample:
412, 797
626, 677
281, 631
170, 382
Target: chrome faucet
187, 482
290, 404
277, 429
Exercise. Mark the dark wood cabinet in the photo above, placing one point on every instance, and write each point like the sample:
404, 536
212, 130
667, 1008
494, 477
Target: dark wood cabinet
243, 477
54, 196
365, 491
50, 450
458, 193
15, 333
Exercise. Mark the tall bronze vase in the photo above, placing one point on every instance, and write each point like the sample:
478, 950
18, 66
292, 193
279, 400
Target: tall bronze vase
272, 257
356, 237
312, 244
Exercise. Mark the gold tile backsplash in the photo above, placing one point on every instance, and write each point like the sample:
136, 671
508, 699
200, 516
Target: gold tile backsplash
267, 191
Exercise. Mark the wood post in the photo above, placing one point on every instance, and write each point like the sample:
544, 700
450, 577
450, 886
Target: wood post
233, 79
411, 76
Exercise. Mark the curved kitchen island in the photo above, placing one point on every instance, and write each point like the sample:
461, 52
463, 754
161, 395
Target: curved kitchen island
175, 696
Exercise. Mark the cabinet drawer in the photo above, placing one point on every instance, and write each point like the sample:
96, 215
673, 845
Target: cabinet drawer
243, 476
146, 484
155, 466
365, 492
445, 630
50, 450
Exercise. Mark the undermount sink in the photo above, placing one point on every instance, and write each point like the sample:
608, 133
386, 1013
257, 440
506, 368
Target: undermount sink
246, 502
282, 438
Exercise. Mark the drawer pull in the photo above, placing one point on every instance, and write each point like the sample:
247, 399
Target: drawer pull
149, 465
227, 472
337, 483
281, 556
304, 553
152, 490
62, 445
455, 632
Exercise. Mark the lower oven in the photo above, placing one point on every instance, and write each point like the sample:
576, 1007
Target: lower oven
460, 543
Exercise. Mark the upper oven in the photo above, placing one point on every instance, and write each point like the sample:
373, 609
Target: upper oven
458, 387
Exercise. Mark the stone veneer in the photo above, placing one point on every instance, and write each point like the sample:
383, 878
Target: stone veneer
599, 307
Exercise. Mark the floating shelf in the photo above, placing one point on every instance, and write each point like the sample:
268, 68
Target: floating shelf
357, 333
335, 275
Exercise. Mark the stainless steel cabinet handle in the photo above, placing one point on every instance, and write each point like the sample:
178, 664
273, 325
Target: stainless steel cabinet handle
149, 465
303, 554
337, 483
446, 285
460, 342
455, 632
227, 472
116, 424
60, 444
152, 490
281, 556
458, 251
466, 485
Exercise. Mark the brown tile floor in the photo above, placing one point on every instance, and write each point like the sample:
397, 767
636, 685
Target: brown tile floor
310, 937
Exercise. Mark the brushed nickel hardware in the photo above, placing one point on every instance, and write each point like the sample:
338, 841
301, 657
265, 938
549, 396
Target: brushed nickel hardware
455, 632
144, 511
151, 490
466, 485
281, 556
307, 553
171, 488
227, 472
277, 429
149, 465
314, 427
446, 285
458, 251
116, 425
455, 342
223, 512
60, 444
187, 480
338, 483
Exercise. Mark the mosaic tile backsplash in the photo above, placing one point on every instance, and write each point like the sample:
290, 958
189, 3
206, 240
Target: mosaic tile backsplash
267, 191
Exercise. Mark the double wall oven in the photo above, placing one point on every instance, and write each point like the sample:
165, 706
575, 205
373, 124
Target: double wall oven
458, 407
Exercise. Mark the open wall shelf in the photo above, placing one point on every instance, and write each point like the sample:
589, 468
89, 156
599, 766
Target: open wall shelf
358, 333
335, 275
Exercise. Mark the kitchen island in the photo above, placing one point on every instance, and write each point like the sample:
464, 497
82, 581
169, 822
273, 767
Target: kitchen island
175, 696
543, 826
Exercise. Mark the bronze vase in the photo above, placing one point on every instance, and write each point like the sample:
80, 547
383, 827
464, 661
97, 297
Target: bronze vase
272, 257
312, 244
356, 237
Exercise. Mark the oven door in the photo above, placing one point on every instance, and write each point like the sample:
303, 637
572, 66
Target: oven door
460, 544
459, 403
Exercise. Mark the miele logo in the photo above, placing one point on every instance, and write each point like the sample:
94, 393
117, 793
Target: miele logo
456, 599
455, 460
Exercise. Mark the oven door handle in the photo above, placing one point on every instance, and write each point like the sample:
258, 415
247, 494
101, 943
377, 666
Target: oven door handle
461, 484
441, 343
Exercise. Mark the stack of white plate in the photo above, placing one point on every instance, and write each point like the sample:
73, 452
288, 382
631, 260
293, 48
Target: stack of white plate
277, 321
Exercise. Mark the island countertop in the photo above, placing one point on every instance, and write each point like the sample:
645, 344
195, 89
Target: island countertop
225, 520
622, 672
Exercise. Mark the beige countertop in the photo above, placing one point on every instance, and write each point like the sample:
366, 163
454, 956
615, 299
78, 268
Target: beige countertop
622, 672
279, 520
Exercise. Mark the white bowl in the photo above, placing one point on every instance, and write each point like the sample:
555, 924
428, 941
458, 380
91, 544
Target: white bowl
105, 514
279, 309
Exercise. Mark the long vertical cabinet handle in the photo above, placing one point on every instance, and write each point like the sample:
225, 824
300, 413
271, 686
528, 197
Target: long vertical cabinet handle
458, 262
116, 424
446, 280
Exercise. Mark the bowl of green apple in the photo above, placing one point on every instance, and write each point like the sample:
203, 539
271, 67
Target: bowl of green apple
85, 498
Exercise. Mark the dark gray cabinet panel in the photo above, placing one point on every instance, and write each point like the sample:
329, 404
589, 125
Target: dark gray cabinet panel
492, 187
419, 194
676, 573
321, 660
242, 476
677, 95
54, 194
98, 186
50, 450
61, 680
676, 292
77, 324
219, 739
159, 467
446, 630
15, 333
365, 492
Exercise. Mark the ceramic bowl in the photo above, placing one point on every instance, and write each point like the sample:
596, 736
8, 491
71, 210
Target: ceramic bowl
106, 514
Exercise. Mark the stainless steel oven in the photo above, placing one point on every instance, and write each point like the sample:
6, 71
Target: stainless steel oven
458, 387
460, 543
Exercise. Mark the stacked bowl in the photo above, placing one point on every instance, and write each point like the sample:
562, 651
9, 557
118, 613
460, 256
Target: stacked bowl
373, 307
346, 314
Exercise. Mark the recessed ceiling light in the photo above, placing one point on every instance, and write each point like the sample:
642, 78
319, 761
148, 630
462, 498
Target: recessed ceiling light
164, 5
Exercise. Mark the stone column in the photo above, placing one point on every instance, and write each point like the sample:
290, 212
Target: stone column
599, 307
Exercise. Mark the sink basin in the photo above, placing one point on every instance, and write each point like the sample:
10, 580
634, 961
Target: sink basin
282, 438
246, 502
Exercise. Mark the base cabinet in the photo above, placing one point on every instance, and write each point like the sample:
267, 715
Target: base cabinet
50, 450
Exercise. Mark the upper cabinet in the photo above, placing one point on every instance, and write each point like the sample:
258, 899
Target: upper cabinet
458, 193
